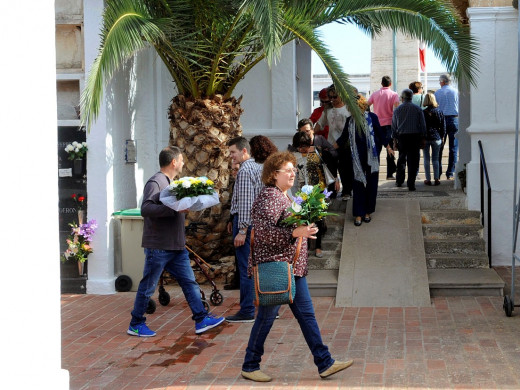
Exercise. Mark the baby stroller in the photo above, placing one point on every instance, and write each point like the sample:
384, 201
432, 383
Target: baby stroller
215, 298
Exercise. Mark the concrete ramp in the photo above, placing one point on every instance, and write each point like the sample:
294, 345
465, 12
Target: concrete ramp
383, 262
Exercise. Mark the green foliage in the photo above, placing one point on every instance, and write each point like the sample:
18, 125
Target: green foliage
309, 206
209, 46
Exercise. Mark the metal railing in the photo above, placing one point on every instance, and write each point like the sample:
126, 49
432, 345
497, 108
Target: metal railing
484, 172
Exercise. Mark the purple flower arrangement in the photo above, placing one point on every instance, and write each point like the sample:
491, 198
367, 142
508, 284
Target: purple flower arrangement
309, 206
78, 242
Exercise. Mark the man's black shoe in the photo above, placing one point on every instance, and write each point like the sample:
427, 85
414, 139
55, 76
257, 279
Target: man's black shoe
240, 318
398, 184
411, 188
232, 286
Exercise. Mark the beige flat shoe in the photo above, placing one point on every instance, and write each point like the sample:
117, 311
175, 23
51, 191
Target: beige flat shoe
319, 253
257, 376
336, 367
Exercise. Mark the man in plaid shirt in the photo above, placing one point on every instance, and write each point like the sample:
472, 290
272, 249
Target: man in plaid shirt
247, 186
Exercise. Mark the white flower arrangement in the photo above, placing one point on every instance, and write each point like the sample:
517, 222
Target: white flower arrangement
76, 150
190, 193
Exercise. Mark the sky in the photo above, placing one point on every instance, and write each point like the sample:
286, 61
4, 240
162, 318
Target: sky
351, 47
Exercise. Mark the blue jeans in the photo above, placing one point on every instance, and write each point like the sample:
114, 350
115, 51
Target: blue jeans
436, 147
177, 263
452, 127
304, 312
247, 308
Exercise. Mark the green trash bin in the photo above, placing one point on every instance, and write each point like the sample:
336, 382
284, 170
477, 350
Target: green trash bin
132, 254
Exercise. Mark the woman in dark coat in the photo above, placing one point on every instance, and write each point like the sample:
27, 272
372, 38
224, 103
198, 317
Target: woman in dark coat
365, 145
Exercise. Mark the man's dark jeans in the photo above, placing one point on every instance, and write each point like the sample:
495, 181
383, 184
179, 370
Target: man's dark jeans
247, 308
409, 155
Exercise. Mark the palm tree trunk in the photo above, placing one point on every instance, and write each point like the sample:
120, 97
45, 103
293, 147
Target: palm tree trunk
202, 128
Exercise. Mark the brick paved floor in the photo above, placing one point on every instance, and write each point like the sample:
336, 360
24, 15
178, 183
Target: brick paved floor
458, 343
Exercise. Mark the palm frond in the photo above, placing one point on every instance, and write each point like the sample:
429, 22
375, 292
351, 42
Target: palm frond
340, 79
209, 46
436, 22
126, 30
266, 15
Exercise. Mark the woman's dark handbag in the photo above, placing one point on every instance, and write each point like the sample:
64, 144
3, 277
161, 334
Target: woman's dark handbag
274, 281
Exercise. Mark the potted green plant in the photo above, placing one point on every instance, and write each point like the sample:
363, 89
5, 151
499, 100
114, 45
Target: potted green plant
76, 152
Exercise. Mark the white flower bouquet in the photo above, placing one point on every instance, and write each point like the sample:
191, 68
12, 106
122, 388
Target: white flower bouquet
190, 193
76, 150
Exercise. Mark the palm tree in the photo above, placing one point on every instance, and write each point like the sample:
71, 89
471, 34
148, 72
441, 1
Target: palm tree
208, 46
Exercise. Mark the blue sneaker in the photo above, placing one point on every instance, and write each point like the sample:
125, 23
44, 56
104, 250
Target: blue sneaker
207, 323
140, 330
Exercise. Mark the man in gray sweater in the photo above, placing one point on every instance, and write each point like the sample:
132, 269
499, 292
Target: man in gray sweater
164, 247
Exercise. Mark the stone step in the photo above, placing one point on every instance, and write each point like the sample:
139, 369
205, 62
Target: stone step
328, 261
443, 261
454, 246
465, 282
443, 201
450, 217
322, 283
434, 231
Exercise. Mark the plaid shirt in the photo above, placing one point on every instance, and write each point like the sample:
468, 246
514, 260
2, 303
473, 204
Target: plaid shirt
247, 187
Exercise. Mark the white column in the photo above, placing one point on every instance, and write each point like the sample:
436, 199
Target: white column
32, 354
304, 80
100, 187
493, 110
270, 99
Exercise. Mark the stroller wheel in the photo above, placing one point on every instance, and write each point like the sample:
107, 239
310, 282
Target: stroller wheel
508, 306
216, 298
151, 307
164, 298
206, 306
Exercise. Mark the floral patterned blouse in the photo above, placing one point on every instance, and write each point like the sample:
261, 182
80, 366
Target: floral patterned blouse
273, 241
310, 169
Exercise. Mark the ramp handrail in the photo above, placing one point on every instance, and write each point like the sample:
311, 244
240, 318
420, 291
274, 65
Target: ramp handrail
484, 172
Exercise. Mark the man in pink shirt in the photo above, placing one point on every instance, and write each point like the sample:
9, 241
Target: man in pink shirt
385, 101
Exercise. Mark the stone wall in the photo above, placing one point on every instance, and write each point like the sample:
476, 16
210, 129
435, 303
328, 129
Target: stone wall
407, 60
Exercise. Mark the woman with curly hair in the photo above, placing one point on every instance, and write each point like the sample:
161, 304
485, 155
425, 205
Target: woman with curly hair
275, 241
261, 148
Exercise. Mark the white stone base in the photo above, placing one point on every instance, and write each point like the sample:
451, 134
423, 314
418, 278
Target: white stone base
101, 286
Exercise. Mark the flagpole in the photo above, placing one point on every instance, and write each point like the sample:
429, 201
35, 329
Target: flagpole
425, 85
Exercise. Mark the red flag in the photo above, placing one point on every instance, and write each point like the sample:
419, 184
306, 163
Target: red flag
422, 56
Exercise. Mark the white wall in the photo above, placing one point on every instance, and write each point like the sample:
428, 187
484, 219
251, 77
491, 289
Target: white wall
493, 110
31, 346
270, 102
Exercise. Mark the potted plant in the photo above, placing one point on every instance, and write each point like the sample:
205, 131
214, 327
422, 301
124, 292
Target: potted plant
78, 244
76, 151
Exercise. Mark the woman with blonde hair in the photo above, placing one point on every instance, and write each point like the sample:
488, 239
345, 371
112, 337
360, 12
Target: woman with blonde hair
435, 130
